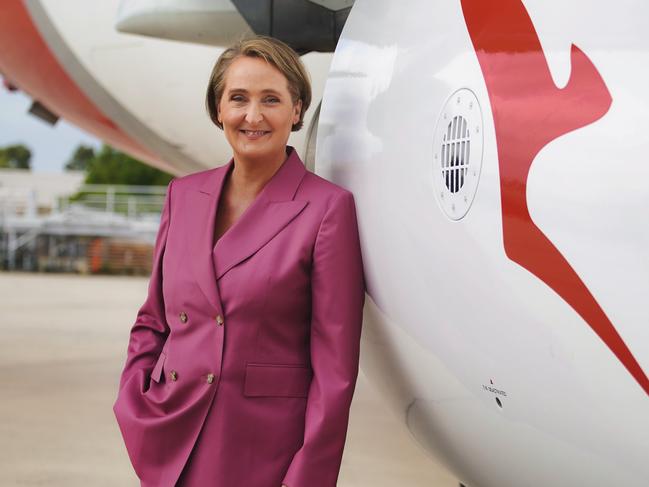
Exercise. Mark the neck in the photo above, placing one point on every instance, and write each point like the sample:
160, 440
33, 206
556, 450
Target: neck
250, 175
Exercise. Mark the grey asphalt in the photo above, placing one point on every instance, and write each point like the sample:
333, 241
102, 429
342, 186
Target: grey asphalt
62, 345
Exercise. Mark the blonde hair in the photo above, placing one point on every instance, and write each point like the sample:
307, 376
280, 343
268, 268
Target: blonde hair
274, 52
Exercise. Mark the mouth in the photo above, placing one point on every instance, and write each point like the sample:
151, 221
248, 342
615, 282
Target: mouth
255, 133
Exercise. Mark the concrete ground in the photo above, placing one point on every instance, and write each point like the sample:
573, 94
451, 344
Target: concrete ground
62, 346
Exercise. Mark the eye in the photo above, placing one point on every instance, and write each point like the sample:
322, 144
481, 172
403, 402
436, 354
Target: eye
272, 99
238, 98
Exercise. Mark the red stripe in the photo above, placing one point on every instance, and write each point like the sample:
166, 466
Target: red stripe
29, 64
529, 112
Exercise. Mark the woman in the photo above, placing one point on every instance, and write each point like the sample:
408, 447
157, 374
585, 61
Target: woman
243, 359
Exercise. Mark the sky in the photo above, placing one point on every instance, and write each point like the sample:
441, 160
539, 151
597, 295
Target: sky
51, 146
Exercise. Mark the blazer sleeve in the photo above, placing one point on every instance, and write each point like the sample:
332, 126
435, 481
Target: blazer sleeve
338, 294
150, 330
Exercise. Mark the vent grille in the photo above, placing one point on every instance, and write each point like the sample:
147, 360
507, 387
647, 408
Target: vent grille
456, 153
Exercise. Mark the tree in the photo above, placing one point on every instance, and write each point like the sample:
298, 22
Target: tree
110, 166
80, 158
16, 156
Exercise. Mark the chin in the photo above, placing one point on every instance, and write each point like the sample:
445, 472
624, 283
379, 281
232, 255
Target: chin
258, 149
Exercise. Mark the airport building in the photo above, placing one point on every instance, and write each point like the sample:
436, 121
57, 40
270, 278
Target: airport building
55, 223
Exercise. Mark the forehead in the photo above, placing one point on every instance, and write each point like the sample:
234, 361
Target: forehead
254, 74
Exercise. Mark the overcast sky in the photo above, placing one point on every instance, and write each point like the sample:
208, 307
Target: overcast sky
51, 146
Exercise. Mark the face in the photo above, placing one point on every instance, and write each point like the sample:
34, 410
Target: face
256, 109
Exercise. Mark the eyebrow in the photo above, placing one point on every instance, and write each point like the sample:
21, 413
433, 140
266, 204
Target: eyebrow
243, 90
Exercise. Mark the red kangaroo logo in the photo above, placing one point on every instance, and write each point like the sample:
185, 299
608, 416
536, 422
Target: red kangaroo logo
529, 112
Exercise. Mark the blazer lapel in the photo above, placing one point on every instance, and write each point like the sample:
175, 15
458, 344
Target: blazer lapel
268, 214
272, 209
202, 203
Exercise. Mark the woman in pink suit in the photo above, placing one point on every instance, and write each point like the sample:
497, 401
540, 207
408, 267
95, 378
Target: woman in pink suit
242, 361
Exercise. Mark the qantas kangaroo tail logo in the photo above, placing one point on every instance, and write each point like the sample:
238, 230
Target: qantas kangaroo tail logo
529, 112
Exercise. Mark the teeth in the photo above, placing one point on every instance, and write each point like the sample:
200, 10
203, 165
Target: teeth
254, 132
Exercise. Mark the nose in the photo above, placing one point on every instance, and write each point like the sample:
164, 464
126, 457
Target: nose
253, 113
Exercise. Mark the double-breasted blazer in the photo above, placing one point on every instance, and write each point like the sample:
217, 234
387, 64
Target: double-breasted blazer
260, 332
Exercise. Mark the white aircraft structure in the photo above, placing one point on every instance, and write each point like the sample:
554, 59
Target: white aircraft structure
496, 150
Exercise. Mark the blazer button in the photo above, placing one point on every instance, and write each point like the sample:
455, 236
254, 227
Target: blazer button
210, 378
183, 317
219, 320
173, 375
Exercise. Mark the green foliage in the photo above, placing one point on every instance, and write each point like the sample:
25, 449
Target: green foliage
110, 166
16, 156
80, 158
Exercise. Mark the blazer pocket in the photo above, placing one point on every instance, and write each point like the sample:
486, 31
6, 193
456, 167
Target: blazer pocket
282, 380
156, 373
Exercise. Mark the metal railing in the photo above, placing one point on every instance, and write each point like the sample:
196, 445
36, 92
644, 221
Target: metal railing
109, 212
131, 201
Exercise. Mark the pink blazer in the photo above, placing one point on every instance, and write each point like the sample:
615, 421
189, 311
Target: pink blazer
260, 332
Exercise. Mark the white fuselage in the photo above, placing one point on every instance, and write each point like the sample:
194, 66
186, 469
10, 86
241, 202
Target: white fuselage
452, 323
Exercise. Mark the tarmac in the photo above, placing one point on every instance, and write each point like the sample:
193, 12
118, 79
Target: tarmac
63, 342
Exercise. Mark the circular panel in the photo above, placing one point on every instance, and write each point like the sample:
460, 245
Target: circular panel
457, 153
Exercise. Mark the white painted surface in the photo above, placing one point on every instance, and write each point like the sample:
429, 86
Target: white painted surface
449, 311
47, 187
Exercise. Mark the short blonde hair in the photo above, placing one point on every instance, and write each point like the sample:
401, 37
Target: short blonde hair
274, 52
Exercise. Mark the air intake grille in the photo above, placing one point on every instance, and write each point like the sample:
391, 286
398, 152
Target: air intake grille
456, 153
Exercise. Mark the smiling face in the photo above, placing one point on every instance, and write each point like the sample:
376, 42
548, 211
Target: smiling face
256, 109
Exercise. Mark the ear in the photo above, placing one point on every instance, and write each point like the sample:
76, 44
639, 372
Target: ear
218, 111
297, 109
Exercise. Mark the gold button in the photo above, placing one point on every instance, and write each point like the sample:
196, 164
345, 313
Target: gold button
174, 375
183, 317
219, 320
210, 378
